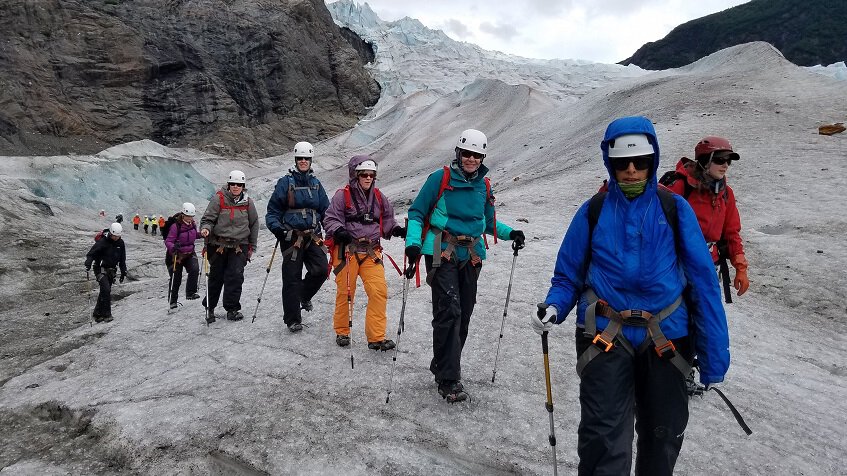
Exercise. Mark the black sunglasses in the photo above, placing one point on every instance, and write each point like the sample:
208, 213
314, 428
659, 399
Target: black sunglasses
233, 184
468, 154
721, 161
641, 162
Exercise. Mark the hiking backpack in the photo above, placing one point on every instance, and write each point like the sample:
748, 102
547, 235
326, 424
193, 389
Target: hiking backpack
329, 242
166, 228
101, 234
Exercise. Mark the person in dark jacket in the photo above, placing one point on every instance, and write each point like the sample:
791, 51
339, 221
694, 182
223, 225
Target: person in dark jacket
626, 275
231, 227
107, 254
295, 212
180, 245
459, 216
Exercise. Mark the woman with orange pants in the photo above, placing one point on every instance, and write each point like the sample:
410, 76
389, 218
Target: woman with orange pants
359, 216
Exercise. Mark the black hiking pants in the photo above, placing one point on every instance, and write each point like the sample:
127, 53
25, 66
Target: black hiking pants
295, 287
226, 271
453, 299
191, 265
106, 278
618, 392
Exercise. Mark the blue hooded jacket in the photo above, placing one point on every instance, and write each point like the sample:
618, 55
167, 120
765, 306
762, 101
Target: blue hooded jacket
634, 264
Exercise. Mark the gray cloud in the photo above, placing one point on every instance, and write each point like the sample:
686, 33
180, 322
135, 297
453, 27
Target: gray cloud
501, 30
457, 28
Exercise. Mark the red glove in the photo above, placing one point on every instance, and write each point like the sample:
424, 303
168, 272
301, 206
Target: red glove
741, 282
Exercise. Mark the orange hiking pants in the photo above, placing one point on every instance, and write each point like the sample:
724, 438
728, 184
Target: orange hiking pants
373, 278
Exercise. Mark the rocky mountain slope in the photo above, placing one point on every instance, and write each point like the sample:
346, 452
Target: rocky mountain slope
807, 33
235, 77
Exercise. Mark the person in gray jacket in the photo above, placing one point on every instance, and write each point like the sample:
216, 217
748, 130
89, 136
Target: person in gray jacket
230, 226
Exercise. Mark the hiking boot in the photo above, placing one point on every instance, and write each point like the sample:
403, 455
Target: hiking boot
192, 296
458, 383
295, 327
210, 317
234, 315
383, 345
342, 340
452, 391
306, 306
97, 317
174, 305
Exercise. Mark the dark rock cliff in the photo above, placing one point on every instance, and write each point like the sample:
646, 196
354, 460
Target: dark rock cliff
807, 33
238, 77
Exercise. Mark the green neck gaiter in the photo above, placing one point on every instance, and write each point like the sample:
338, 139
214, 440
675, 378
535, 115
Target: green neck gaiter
632, 190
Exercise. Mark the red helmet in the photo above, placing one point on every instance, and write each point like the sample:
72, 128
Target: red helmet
711, 144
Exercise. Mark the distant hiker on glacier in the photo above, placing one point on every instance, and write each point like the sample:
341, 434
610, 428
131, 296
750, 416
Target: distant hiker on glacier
447, 223
626, 259
295, 212
136, 220
359, 216
154, 224
703, 183
107, 254
179, 242
231, 226
146, 224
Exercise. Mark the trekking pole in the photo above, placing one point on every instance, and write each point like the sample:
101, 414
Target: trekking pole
170, 282
88, 285
267, 273
399, 332
349, 309
505, 309
206, 272
549, 405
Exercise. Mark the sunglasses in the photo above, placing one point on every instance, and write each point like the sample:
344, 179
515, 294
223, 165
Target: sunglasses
367, 175
721, 161
232, 184
303, 159
470, 154
642, 162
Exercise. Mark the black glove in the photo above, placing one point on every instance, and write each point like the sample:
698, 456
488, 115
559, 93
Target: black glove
399, 232
518, 237
87, 269
279, 234
342, 237
123, 276
413, 253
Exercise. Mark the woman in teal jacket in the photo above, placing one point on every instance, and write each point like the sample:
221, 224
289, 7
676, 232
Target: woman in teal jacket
458, 211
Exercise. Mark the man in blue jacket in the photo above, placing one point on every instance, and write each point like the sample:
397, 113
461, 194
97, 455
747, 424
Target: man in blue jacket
626, 273
295, 212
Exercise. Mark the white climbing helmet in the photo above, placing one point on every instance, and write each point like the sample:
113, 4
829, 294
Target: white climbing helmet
630, 145
303, 149
474, 141
116, 229
367, 165
237, 176
188, 209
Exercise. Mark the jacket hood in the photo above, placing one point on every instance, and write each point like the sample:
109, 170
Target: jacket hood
354, 162
630, 125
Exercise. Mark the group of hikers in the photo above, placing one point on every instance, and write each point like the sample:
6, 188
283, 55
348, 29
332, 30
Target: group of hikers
638, 261
149, 222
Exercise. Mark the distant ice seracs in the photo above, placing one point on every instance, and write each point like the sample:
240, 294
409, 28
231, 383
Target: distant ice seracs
835, 70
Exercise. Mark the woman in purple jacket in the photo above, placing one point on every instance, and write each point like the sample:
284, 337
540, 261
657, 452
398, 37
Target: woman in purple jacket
180, 243
359, 215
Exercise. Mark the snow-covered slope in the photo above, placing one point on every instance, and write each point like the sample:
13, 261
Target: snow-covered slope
153, 393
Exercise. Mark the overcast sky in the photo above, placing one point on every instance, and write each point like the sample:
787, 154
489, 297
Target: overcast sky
605, 31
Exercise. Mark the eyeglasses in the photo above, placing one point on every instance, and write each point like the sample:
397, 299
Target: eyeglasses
367, 175
471, 155
641, 162
299, 159
233, 184
721, 161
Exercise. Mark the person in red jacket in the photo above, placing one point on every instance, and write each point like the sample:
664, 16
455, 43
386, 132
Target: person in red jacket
703, 183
